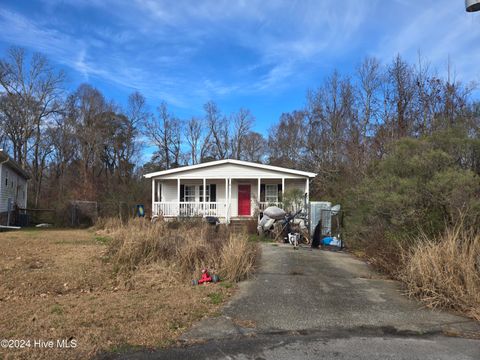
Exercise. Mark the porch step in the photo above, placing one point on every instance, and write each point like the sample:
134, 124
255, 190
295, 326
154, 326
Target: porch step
239, 225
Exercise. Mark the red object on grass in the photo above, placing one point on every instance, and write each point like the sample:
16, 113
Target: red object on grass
205, 277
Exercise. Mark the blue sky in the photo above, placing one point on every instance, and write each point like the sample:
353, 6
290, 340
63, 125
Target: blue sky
262, 55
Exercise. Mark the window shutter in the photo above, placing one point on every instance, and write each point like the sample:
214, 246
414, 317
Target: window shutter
213, 192
182, 193
280, 193
262, 192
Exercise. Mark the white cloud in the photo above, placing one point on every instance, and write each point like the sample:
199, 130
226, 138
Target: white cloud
154, 45
186, 52
441, 32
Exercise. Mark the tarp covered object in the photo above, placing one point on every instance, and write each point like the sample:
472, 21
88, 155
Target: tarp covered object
274, 212
265, 224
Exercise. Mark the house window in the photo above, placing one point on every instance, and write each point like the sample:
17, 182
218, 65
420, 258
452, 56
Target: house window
189, 193
208, 193
271, 193
6, 178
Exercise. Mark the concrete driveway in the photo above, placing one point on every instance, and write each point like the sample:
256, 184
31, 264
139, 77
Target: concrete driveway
318, 304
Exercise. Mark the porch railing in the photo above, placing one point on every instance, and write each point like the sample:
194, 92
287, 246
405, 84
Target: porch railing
200, 209
263, 205
189, 209
292, 208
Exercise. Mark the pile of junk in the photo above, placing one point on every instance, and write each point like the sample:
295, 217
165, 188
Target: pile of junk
313, 225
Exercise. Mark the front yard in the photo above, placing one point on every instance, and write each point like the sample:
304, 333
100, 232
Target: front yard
59, 284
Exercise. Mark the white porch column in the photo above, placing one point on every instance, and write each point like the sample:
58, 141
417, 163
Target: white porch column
307, 188
178, 190
178, 196
258, 190
158, 186
283, 187
204, 194
229, 198
153, 197
226, 200
161, 193
258, 197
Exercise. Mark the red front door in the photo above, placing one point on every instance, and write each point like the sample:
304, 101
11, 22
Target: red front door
244, 200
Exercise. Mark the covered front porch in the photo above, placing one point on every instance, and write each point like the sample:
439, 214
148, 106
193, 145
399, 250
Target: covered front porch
225, 198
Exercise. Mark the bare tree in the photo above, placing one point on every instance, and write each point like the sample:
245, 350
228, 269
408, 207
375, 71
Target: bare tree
137, 115
401, 81
242, 123
64, 146
194, 136
32, 92
370, 78
254, 147
89, 108
287, 140
164, 132
218, 130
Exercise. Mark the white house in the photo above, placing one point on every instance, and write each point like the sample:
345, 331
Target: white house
227, 189
13, 185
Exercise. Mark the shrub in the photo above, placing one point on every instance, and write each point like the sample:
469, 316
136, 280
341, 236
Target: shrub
293, 199
427, 190
238, 257
418, 186
188, 247
108, 224
445, 271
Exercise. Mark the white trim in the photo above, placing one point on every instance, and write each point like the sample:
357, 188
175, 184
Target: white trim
230, 161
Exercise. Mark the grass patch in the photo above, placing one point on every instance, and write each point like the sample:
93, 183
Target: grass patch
226, 284
56, 309
103, 239
260, 238
216, 298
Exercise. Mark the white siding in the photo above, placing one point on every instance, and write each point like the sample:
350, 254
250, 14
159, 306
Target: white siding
229, 170
295, 184
15, 188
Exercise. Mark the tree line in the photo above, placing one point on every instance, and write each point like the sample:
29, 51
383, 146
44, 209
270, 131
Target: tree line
80, 145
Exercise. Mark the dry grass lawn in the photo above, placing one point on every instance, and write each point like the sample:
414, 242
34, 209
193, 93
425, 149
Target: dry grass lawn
58, 284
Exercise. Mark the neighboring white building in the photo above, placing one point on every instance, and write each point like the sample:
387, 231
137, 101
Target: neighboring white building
13, 184
225, 188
